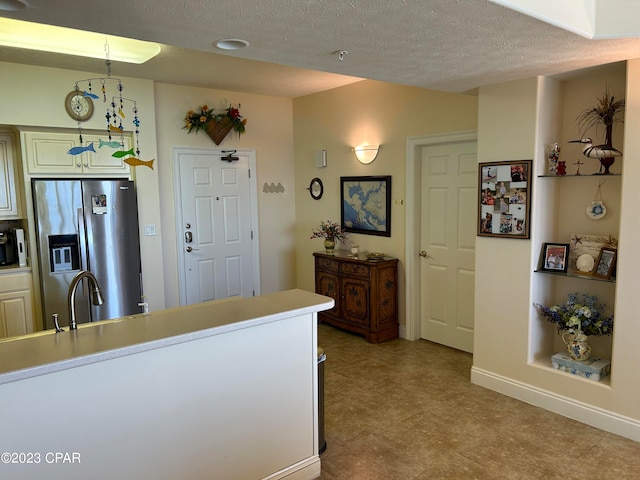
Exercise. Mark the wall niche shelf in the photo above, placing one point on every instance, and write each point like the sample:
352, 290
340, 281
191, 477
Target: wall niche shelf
583, 276
560, 210
593, 175
546, 365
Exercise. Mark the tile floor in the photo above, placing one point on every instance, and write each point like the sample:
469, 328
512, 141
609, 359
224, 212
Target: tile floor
407, 411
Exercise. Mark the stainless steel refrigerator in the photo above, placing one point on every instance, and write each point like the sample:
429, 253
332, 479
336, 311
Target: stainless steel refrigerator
88, 225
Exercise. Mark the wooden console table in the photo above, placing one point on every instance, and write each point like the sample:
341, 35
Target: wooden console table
365, 293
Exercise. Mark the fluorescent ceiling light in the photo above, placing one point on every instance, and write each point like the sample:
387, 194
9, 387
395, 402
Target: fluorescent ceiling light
48, 38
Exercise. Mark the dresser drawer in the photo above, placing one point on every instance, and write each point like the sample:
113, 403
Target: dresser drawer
327, 264
355, 269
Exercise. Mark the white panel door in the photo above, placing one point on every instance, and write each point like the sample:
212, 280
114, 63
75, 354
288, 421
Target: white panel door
448, 235
216, 241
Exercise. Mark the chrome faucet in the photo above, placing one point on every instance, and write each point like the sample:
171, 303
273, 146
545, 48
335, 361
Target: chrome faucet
96, 295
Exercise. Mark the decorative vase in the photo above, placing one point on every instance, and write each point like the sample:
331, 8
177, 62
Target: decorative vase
553, 153
217, 130
606, 162
329, 246
577, 345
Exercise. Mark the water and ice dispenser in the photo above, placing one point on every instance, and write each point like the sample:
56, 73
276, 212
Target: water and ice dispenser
64, 253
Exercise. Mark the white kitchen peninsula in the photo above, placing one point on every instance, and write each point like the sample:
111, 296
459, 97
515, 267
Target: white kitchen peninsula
225, 389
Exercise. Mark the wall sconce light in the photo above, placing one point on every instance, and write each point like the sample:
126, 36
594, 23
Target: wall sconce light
366, 153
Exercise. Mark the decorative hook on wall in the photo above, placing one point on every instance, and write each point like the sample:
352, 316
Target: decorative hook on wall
228, 157
273, 188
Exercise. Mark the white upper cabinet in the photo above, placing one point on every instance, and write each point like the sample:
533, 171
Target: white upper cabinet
9, 196
46, 153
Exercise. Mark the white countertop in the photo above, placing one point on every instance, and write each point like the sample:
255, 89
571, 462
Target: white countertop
15, 268
46, 352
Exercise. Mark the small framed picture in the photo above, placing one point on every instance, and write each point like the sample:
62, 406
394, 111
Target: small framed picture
605, 264
555, 257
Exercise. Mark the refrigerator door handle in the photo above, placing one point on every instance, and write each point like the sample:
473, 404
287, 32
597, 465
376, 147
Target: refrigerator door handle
82, 235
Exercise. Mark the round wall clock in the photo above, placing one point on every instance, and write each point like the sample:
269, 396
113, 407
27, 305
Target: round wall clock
78, 107
316, 189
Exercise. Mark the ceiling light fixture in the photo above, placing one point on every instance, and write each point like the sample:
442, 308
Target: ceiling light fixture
13, 5
366, 153
49, 38
231, 44
341, 54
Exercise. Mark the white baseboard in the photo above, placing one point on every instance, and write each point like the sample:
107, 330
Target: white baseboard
307, 469
402, 332
576, 410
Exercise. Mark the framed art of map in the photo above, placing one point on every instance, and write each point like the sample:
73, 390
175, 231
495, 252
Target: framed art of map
366, 205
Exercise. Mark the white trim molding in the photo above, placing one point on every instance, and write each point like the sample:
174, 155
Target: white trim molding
412, 230
567, 407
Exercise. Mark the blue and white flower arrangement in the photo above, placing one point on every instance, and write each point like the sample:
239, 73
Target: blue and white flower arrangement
577, 315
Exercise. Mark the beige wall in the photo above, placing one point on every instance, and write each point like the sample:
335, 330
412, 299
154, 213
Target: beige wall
512, 343
364, 113
513, 121
270, 134
34, 96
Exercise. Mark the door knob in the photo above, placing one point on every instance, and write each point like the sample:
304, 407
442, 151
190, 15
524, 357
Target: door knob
425, 254
189, 249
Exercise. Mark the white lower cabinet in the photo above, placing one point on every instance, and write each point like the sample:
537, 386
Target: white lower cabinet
46, 153
16, 305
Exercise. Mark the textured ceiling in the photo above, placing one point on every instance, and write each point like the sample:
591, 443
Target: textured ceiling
450, 45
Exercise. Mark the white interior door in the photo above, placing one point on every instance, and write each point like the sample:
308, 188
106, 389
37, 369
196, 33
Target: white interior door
448, 234
215, 230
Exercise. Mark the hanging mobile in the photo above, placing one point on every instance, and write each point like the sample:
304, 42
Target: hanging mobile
597, 210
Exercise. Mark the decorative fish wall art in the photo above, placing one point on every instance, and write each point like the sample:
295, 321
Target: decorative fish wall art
121, 153
132, 161
113, 99
136, 162
112, 144
79, 150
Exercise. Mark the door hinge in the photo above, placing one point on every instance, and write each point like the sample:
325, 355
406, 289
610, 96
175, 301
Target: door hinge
251, 234
249, 173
